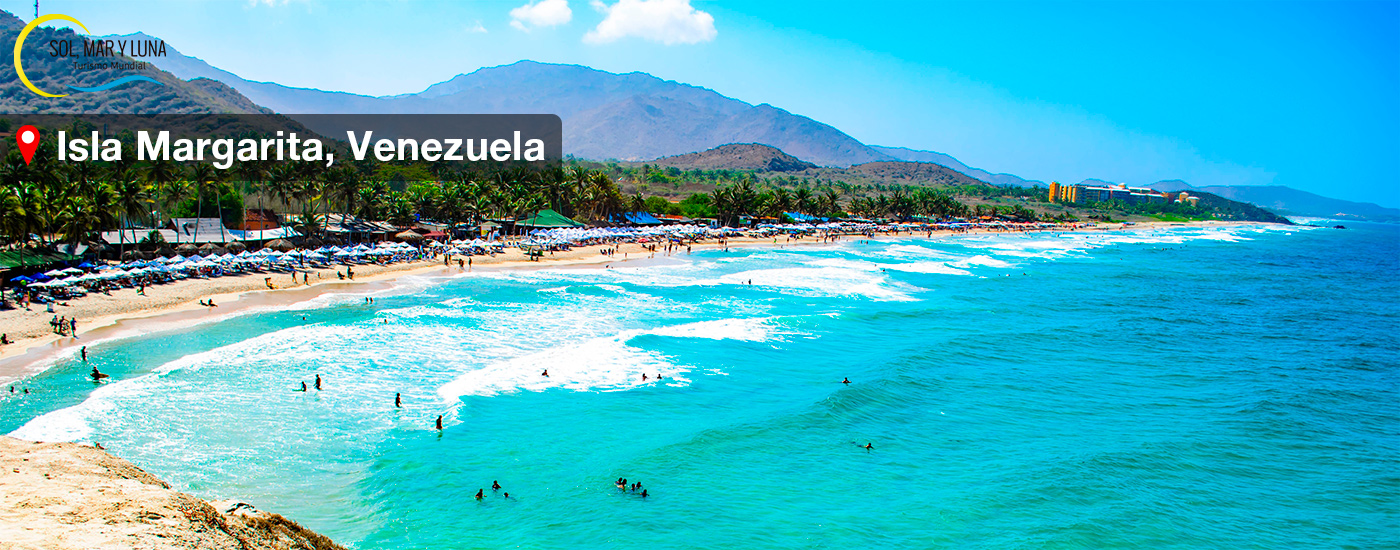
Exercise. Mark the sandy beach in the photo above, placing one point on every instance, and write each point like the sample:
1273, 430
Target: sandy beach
124, 312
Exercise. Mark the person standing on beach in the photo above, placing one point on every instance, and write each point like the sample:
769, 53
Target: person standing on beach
350, 272
73, 323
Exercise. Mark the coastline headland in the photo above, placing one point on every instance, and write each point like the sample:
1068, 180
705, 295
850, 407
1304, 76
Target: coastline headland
70, 496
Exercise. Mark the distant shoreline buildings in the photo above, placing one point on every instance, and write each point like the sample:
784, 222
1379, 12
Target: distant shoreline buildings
1080, 194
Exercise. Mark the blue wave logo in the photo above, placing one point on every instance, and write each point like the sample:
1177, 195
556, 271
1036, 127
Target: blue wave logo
117, 82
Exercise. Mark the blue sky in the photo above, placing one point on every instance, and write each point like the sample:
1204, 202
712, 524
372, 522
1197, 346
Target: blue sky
1251, 93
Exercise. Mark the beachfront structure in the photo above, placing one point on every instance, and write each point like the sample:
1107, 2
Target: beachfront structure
260, 219
1080, 194
196, 231
636, 218
546, 219
1187, 198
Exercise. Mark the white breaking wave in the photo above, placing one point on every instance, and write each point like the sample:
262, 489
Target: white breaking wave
606, 363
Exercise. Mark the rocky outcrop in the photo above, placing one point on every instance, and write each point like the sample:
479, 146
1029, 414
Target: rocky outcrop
70, 496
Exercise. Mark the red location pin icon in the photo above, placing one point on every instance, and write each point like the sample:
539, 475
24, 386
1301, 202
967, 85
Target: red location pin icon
28, 139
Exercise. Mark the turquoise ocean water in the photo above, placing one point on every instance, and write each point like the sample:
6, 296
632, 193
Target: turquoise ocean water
1178, 388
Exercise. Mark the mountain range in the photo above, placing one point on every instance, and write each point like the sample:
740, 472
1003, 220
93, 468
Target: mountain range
607, 116
1289, 201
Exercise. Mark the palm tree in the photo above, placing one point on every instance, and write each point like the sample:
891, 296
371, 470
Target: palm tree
201, 175
163, 175
132, 197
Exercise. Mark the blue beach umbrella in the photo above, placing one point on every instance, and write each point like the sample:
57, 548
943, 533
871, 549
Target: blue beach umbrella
21, 279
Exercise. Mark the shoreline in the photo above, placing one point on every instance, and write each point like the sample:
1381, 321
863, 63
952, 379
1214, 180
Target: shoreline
123, 313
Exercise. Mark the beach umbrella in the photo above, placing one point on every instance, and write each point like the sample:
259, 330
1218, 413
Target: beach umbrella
187, 249
53, 273
237, 247
21, 279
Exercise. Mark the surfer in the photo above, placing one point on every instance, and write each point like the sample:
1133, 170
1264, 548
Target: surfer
318, 382
303, 386
845, 380
97, 375
439, 423
495, 485
545, 373
644, 377
869, 446
398, 404
480, 494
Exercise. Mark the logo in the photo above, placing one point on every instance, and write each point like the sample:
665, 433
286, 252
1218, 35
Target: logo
90, 48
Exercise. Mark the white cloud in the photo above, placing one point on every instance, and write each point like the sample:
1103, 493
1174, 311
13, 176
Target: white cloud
475, 28
544, 13
665, 21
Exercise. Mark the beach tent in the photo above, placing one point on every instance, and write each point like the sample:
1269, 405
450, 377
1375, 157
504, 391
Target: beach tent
547, 219
637, 218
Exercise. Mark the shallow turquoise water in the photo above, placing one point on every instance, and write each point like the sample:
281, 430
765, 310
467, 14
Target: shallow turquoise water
1181, 388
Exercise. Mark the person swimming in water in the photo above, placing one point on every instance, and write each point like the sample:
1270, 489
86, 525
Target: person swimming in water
480, 494
397, 403
618, 483
644, 377
869, 446
439, 423
303, 386
318, 382
644, 493
845, 380
545, 373
495, 485
507, 495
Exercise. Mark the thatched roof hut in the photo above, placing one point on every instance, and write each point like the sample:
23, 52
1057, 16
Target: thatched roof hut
281, 245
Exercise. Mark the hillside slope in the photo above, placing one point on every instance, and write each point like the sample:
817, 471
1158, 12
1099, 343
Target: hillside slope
738, 156
54, 75
915, 155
